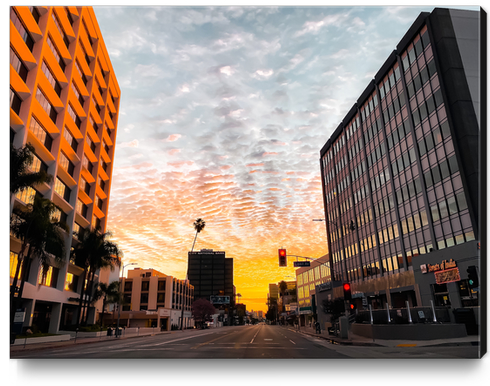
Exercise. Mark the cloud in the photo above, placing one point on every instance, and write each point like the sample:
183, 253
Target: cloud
172, 138
133, 143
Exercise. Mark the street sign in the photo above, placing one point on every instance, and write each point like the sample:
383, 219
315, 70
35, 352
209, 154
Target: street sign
301, 263
219, 299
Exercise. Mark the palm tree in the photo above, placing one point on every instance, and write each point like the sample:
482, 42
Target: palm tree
21, 176
93, 252
199, 225
41, 236
109, 293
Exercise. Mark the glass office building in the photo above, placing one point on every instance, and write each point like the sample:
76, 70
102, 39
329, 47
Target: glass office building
401, 173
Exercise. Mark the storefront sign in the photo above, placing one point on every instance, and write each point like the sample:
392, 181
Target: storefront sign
325, 286
447, 276
438, 267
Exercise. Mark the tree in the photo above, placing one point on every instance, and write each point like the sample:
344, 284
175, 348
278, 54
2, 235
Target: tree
202, 310
283, 286
41, 235
93, 252
110, 295
21, 176
199, 225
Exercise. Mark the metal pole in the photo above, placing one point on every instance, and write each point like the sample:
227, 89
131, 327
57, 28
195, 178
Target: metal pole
388, 312
371, 313
434, 319
119, 303
409, 314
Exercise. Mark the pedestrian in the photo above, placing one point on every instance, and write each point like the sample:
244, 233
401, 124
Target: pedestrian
317, 326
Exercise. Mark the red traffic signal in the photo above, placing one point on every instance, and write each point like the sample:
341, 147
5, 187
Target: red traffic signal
352, 306
347, 291
282, 258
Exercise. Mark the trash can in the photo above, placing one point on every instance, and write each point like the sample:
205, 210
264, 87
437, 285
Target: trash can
109, 331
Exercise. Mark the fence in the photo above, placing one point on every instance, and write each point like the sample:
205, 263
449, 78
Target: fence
401, 315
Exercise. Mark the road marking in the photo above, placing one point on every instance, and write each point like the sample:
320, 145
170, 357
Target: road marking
267, 339
406, 345
254, 336
291, 341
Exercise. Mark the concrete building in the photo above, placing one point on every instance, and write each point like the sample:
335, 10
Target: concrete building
64, 100
153, 299
401, 173
307, 278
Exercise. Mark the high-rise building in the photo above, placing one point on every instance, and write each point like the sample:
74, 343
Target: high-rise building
64, 100
401, 173
211, 274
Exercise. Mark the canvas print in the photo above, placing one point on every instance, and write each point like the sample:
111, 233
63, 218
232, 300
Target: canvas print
247, 182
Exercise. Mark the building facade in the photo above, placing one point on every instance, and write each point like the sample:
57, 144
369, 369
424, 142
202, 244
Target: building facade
401, 173
307, 278
211, 274
64, 100
153, 299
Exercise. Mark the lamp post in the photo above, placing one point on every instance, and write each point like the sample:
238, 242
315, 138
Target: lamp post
119, 303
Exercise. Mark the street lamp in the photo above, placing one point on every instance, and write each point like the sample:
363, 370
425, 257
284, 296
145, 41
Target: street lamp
119, 303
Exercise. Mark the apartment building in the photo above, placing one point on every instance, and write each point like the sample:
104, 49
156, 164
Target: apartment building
64, 100
401, 173
153, 299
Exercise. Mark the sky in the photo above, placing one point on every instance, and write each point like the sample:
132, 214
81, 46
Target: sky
223, 113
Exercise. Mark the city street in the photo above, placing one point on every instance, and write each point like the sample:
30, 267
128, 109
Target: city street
254, 342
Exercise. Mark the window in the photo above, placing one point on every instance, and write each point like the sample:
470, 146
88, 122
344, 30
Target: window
40, 133
43, 101
70, 139
15, 101
14, 260
66, 164
51, 78
81, 208
48, 276
128, 286
71, 282
21, 28
56, 53
18, 65
74, 116
27, 195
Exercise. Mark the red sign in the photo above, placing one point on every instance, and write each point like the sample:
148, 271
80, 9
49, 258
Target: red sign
447, 276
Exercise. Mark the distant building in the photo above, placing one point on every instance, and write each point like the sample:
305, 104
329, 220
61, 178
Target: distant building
64, 100
153, 299
401, 173
211, 274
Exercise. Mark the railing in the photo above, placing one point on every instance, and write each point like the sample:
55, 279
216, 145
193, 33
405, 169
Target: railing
401, 315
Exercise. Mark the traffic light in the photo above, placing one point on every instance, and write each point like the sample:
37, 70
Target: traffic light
347, 291
282, 258
472, 276
352, 306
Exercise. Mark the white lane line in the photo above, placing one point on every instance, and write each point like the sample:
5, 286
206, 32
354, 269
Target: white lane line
291, 341
254, 336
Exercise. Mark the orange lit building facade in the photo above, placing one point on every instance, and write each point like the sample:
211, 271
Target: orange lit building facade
64, 100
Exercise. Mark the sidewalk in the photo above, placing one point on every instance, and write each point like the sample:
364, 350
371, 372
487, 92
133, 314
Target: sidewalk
37, 346
356, 340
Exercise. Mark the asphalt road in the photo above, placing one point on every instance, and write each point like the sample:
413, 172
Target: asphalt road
260, 341
240, 342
